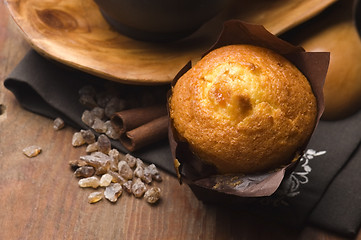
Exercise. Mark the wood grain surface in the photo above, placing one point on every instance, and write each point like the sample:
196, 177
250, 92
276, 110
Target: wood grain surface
40, 198
75, 33
334, 31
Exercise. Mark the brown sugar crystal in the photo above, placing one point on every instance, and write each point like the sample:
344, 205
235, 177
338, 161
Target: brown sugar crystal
104, 144
152, 195
92, 182
102, 98
77, 139
115, 104
87, 118
127, 186
113, 192
87, 101
130, 159
32, 151
84, 172
88, 136
116, 177
111, 132
95, 197
93, 147
153, 171
105, 180
138, 188
99, 126
98, 112
124, 170
58, 123
98, 160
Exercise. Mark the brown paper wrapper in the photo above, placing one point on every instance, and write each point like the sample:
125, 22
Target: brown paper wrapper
203, 179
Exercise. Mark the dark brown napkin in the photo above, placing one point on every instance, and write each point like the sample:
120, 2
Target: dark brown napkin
324, 190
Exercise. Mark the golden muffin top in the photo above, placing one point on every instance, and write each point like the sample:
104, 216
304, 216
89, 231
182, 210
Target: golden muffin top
244, 109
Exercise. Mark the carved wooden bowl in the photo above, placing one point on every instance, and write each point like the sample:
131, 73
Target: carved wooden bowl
75, 33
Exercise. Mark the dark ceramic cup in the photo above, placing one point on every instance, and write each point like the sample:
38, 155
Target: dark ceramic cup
159, 20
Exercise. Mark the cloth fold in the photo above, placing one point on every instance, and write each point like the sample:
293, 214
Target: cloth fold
324, 190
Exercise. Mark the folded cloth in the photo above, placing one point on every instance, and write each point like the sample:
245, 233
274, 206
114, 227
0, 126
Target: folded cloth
339, 209
323, 190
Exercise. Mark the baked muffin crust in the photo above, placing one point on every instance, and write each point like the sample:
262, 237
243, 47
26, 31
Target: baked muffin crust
244, 109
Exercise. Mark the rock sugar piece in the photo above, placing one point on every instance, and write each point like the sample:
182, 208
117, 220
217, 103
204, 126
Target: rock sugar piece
32, 151
139, 172
98, 112
104, 144
127, 186
153, 171
92, 182
58, 124
87, 118
93, 147
111, 131
105, 180
84, 171
95, 197
88, 136
115, 157
113, 192
124, 170
138, 188
87, 96
97, 160
130, 159
75, 164
87, 101
99, 126
114, 105
152, 195
116, 177
77, 140
103, 97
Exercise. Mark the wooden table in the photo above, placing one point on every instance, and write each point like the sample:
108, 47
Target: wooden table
40, 197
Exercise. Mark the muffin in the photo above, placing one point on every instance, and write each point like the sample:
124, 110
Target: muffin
243, 109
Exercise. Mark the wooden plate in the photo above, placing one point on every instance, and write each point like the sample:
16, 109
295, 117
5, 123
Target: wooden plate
74, 32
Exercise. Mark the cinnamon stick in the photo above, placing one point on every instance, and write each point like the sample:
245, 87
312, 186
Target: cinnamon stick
148, 133
127, 120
